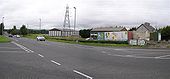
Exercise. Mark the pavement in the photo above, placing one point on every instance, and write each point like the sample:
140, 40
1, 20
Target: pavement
30, 59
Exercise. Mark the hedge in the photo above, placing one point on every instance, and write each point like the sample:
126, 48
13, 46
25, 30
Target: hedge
105, 42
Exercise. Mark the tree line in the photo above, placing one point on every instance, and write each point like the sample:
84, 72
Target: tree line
24, 31
165, 33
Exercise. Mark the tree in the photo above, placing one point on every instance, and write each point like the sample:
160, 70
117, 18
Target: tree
23, 30
1, 28
85, 33
14, 30
165, 33
133, 29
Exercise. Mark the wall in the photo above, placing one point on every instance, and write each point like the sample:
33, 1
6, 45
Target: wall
141, 33
54, 33
113, 36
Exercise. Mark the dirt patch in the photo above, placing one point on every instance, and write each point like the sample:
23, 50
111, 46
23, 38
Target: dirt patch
162, 44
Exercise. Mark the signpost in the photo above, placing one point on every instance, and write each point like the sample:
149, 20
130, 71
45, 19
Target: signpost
137, 42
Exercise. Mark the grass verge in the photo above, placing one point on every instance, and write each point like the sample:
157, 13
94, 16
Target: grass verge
33, 36
4, 39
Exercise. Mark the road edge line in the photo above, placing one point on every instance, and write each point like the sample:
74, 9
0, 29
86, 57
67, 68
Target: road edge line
55, 62
82, 74
22, 47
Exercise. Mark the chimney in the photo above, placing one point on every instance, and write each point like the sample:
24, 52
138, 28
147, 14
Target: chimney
147, 24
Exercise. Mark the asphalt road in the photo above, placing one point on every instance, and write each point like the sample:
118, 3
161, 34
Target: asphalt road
30, 59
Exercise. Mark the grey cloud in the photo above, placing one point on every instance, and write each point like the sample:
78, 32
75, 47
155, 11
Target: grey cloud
90, 13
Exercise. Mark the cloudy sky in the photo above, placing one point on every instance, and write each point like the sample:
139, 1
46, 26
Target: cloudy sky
90, 13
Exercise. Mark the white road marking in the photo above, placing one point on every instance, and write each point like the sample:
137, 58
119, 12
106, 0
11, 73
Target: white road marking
141, 57
132, 56
22, 47
119, 49
104, 52
88, 77
142, 50
129, 56
55, 62
162, 56
109, 54
41, 55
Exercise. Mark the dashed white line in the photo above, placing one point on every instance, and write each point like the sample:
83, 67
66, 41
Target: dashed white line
88, 77
55, 62
41, 55
22, 47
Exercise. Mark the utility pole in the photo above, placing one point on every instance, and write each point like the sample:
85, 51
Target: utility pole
75, 21
2, 25
28, 28
40, 25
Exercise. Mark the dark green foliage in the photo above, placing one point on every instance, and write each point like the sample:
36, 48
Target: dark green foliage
14, 31
104, 42
85, 33
93, 41
154, 36
165, 33
32, 31
1, 28
133, 29
23, 30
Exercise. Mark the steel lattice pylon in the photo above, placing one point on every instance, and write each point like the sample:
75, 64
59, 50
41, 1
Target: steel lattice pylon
66, 24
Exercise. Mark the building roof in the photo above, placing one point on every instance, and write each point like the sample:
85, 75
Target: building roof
147, 26
66, 30
117, 29
54, 29
109, 29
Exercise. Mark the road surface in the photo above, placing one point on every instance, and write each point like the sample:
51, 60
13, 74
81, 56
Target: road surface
30, 59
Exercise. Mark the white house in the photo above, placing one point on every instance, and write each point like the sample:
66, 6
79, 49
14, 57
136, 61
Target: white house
55, 32
63, 32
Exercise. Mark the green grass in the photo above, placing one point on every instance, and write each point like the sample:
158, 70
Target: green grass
33, 36
168, 46
4, 39
105, 45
